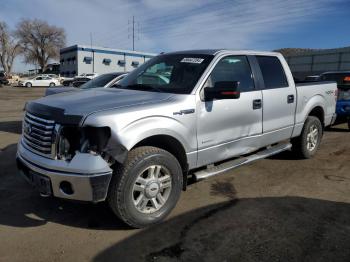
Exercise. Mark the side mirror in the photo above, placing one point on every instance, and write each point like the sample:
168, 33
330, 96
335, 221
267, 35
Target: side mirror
222, 90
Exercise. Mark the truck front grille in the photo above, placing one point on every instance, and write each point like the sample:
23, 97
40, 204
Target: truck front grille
38, 134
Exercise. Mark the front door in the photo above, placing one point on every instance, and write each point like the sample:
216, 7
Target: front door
37, 81
225, 127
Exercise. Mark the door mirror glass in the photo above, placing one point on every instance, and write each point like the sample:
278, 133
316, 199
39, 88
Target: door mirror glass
222, 90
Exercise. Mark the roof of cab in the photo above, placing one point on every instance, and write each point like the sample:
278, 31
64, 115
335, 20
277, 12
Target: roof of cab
218, 51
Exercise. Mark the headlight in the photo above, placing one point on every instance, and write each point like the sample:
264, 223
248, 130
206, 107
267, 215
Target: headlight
97, 137
68, 142
63, 148
85, 140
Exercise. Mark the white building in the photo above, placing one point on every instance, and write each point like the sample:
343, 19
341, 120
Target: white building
78, 59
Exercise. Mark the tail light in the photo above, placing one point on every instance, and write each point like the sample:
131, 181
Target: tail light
336, 93
347, 79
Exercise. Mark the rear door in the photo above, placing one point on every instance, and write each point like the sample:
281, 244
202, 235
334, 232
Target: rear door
46, 81
279, 98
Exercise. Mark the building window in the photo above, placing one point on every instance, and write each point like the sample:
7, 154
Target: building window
106, 61
135, 63
73, 59
121, 62
88, 59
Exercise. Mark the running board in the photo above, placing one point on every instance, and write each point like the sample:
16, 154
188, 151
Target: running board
226, 166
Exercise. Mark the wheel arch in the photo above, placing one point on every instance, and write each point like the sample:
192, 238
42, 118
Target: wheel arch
168, 143
173, 146
318, 112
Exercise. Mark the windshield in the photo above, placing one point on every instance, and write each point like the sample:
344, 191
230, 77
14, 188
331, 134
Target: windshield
174, 73
99, 81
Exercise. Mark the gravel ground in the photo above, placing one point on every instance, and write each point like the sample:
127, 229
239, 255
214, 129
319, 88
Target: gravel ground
277, 209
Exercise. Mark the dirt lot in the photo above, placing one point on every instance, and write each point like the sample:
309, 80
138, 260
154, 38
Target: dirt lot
278, 209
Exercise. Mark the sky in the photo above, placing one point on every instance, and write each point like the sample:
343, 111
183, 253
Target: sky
168, 25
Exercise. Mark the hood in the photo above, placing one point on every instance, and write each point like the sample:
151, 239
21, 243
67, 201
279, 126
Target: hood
86, 102
57, 90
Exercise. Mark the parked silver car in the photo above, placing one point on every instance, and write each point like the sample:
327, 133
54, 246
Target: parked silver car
196, 113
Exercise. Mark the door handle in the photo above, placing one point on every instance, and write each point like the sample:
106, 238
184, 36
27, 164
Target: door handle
257, 104
290, 99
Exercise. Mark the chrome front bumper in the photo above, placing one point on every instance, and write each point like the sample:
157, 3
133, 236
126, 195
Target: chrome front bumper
86, 177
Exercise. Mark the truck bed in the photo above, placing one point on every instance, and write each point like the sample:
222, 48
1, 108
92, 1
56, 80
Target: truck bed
310, 94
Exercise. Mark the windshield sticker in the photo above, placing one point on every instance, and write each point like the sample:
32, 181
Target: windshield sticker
192, 60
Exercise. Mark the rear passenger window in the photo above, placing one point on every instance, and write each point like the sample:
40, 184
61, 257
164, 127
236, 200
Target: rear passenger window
233, 68
272, 71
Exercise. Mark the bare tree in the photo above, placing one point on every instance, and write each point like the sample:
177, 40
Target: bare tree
9, 47
40, 41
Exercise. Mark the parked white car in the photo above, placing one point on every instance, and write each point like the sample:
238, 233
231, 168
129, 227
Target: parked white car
89, 75
39, 81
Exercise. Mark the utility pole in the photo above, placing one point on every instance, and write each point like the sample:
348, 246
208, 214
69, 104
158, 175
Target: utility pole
133, 27
133, 33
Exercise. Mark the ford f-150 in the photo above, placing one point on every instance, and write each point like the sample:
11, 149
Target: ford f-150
181, 114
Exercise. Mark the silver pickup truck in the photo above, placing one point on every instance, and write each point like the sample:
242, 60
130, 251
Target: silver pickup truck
180, 115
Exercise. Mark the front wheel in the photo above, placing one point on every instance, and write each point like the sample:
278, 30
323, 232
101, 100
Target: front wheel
52, 84
306, 145
349, 123
146, 188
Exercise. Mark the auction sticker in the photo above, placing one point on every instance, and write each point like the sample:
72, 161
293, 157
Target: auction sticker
192, 60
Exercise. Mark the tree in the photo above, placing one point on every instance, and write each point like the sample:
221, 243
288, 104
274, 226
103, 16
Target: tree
9, 47
40, 41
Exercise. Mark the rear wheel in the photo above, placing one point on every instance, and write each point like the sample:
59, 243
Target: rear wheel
306, 145
52, 84
146, 188
349, 123
28, 84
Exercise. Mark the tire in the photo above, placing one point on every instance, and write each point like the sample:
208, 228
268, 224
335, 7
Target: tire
125, 190
51, 84
306, 145
349, 124
28, 85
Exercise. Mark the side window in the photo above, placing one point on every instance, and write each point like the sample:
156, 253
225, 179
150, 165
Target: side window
39, 78
272, 72
233, 68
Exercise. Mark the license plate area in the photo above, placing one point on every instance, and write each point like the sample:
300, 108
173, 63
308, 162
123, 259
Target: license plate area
40, 182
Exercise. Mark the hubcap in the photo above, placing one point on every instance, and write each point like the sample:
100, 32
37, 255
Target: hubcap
151, 189
312, 138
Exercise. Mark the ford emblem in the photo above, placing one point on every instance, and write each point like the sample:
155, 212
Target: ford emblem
27, 128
